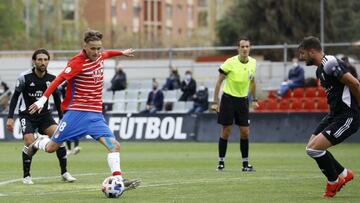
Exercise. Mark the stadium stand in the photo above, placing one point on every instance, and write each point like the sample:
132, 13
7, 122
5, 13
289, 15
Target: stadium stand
308, 99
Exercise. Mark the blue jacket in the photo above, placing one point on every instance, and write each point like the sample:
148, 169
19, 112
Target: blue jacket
156, 99
297, 75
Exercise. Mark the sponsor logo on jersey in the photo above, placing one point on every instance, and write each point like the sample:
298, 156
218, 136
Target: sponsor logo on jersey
37, 94
67, 70
32, 84
97, 75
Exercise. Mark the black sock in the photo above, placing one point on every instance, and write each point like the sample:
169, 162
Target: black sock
244, 148
76, 143
61, 155
338, 167
26, 164
326, 165
222, 147
68, 144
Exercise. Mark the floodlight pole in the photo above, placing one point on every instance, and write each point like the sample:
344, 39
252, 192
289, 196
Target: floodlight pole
322, 23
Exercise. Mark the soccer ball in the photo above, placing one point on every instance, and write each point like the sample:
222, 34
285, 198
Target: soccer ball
113, 187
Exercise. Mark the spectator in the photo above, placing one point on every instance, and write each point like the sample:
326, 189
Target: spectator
173, 81
118, 82
296, 78
188, 87
4, 96
351, 68
155, 99
200, 99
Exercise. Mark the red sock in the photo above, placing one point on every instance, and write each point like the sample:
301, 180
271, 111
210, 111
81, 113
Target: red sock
116, 173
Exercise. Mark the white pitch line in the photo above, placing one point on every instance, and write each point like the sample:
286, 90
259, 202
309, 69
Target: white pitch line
6, 182
165, 184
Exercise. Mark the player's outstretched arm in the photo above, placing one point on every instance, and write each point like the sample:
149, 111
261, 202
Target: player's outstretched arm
128, 52
39, 104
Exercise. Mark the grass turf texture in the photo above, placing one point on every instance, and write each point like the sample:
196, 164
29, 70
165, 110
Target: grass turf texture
179, 172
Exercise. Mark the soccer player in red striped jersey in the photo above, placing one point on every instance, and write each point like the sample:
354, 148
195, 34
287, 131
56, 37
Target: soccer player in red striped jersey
83, 103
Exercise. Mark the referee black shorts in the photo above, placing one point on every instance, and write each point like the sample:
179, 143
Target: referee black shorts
29, 124
233, 108
337, 128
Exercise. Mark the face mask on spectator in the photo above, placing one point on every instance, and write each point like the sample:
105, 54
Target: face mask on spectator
188, 77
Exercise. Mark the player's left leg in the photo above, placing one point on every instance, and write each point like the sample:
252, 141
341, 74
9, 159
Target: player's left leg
242, 120
317, 149
244, 148
113, 147
61, 155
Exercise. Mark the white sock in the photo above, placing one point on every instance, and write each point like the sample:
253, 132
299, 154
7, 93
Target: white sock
114, 163
42, 143
333, 182
344, 173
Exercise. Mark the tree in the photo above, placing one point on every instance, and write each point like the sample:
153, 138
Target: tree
11, 24
275, 22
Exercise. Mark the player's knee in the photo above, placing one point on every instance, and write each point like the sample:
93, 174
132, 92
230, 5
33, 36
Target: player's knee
226, 131
244, 133
27, 143
314, 153
50, 149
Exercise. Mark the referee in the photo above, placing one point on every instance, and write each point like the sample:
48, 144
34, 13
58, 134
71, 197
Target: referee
239, 75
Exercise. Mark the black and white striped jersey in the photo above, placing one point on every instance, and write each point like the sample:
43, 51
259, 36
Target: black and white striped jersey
339, 96
29, 88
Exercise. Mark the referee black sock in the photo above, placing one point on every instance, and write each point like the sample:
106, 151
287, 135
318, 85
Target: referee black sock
26, 164
338, 167
76, 143
326, 165
222, 147
61, 155
244, 148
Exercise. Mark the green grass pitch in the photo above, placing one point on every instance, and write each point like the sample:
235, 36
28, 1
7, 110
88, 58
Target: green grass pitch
179, 172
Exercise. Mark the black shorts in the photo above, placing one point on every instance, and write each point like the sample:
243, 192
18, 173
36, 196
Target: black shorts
30, 124
233, 108
337, 128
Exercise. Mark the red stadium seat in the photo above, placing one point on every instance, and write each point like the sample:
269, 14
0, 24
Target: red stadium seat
310, 92
284, 105
298, 92
296, 104
272, 95
322, 104
272, 105
309, 104
262, 105
321, 92
287, 94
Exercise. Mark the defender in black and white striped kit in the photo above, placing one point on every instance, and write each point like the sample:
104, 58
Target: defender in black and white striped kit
343, 95
343, 119
29, 88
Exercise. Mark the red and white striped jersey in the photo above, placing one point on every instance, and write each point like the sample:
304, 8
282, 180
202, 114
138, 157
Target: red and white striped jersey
85, 82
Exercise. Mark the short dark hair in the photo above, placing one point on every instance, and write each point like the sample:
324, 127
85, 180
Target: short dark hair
242, 38
40, 51
92, 35
310, 42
